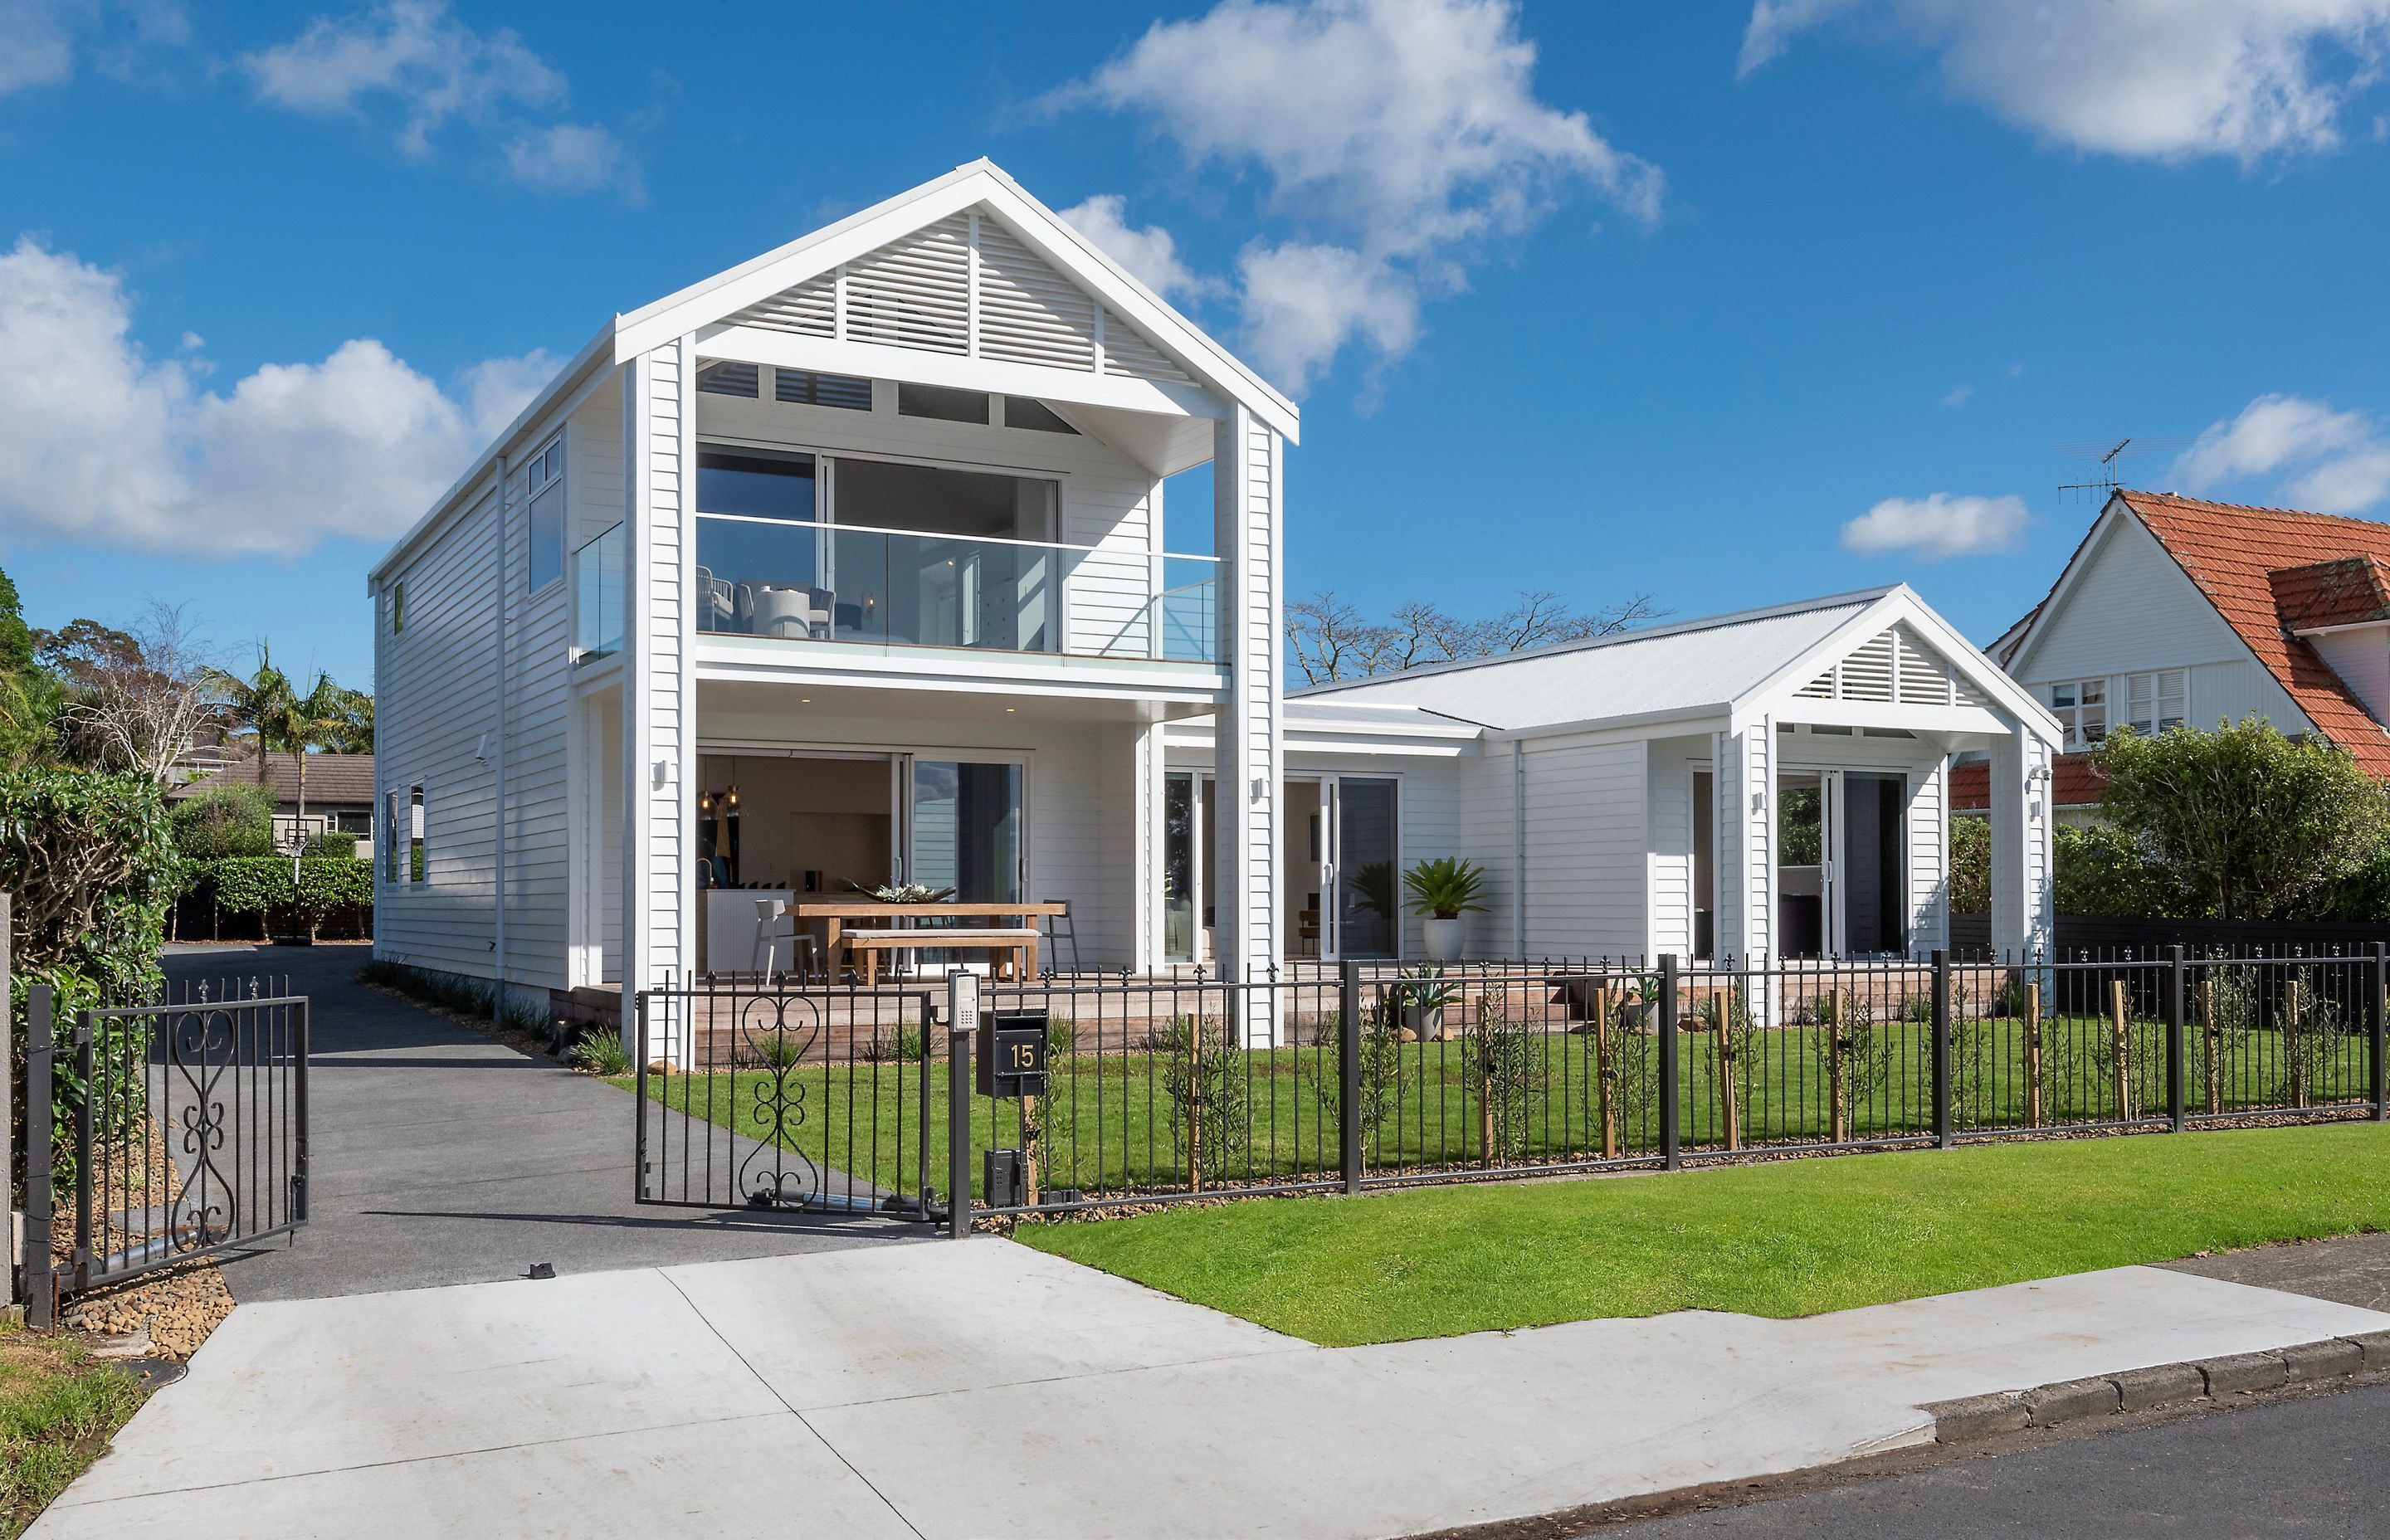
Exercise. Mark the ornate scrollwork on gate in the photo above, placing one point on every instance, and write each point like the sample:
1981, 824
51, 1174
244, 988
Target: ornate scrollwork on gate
200, 1046
779, 1032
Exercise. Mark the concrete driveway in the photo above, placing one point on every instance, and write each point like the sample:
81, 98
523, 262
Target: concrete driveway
979, 1388
441, 1157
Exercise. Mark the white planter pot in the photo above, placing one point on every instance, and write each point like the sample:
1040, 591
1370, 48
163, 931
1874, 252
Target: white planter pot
1444, 939
1423, 1022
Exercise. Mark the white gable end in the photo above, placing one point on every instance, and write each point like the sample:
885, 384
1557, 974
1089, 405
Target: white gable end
1894, 667
967, 286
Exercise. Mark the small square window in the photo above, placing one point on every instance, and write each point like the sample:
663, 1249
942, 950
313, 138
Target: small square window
936, 400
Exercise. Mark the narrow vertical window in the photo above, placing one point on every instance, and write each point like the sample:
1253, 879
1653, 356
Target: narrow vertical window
390, 836
398, 607
545, 487
419, 867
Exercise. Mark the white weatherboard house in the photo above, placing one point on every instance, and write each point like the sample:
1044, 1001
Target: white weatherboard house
845, 566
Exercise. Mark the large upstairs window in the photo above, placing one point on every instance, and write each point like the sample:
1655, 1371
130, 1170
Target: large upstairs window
2081, 707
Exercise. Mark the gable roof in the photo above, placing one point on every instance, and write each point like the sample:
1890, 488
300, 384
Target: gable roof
333, 780
2248, 561
1725, 663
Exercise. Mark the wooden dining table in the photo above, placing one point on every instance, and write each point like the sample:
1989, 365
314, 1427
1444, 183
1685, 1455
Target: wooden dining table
835, 915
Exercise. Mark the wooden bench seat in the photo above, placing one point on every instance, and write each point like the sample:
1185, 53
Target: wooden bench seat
1016, 947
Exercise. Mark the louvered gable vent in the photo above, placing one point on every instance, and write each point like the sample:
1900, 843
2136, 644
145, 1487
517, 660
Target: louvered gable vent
936, 292
1894, 667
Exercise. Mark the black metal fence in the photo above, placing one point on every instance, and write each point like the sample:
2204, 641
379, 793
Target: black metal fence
1079, 1092
159, 1133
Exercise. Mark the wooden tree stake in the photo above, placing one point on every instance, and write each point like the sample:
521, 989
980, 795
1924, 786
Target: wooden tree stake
2124, 1068
1728, 1097
1195, 1105
2293, 1060
2215, 1036
1837, 1045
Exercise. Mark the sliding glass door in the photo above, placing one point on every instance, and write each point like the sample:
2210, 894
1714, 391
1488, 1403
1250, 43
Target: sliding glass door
1364, 880
969, 826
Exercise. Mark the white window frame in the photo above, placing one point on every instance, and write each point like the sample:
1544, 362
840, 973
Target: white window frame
543, 480
2148, 694
2075, 702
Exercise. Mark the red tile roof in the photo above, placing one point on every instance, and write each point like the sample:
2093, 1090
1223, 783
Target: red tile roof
2248, 560
333, 780
2074, 781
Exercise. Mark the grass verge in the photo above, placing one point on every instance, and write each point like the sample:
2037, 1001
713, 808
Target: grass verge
1785, 1239
59, 1408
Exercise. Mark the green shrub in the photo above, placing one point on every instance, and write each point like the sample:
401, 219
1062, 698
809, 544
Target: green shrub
330, 843
224, 818
601, 1053
260, 885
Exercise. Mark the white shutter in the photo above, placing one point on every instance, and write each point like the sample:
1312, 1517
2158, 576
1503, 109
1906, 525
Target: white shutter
1029, 313
914, 292
809, 310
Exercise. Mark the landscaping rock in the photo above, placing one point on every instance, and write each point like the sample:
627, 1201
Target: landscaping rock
174, 1310
2244, 1371
2326, 1360
2161, 1386
1977, 1417
2070, 1399
2375, 1345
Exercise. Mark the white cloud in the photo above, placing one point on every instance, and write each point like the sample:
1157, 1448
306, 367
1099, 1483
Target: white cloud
1938, 526
120, 450
1400, 135
40, 39
1151, 255
1302, 303
2313, 457
1959, 395
572, 157
439, 70
2167, 78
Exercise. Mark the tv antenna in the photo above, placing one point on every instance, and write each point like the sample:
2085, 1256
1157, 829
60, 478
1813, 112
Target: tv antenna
2107, 456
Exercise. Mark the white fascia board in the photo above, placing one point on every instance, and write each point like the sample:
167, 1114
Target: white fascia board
1044, 232
878, 361
1674, 722
777, 661
1883, 714
576, 379
2336, 630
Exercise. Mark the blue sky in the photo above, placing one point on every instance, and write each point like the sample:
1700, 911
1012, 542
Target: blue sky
1724, 304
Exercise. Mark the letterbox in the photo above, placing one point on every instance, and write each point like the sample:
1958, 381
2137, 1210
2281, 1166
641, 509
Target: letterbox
1012, 1053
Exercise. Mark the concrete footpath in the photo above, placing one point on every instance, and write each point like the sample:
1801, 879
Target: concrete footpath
982, 1389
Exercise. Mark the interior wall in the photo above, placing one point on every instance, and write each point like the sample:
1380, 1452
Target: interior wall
1305, 862
806, 824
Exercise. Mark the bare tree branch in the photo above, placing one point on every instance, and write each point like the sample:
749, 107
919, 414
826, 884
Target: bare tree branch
134, 699
1328, 640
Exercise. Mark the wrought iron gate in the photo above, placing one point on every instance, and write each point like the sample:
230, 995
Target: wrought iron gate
775, 1095
177, 1129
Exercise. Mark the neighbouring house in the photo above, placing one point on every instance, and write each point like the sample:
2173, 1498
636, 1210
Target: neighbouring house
340, 794
845, 566
2175, 611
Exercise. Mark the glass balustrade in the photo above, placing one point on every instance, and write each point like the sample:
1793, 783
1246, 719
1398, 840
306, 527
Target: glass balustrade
597, 597
841, 583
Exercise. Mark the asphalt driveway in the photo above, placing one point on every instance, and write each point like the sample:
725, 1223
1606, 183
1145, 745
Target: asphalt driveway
442, 1157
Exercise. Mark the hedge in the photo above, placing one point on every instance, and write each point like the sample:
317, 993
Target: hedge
260, 885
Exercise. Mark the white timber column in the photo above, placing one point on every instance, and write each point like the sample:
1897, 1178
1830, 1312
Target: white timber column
1745, 831
658, 736
1144, 881
2024, 895
1247, 493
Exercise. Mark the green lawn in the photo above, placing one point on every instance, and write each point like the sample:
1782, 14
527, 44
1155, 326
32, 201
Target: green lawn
1111, 1122
57, 1411
1787, 1238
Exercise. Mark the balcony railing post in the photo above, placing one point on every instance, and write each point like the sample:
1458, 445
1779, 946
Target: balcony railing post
1943, 1136
1671, 1157
2176, 969
1348, 1073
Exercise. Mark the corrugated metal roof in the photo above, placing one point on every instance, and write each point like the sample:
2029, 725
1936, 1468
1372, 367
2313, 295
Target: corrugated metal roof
1665, 668
1365, 714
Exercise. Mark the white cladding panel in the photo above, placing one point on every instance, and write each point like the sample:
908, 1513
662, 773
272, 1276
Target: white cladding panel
1586, 848
2361, 657
435, 695
1668, 854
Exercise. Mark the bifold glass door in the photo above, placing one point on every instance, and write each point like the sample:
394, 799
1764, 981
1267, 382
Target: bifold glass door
1353, 863
1365, 882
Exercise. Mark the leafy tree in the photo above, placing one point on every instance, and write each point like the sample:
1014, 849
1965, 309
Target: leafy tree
272, 713
224, 818
1329, 639
28, 695
2105, 870
1971, 865
2251, 824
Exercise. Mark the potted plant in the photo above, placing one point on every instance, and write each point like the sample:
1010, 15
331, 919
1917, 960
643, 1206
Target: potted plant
1443, 890
1423, 994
